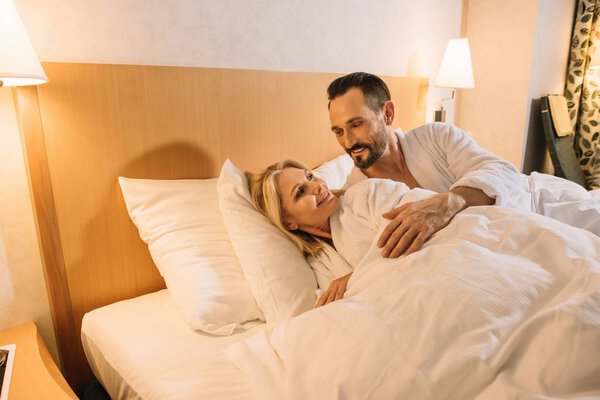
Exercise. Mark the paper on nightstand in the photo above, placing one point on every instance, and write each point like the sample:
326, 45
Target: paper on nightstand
7, 359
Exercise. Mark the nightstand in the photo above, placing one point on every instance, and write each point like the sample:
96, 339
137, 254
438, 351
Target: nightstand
34, 375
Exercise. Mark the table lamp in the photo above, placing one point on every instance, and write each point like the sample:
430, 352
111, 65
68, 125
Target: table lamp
455, 72
19, 64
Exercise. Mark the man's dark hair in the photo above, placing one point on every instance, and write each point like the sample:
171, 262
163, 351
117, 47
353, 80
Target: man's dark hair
375, 90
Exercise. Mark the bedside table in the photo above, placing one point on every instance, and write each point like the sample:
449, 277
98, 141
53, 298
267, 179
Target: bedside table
34, 374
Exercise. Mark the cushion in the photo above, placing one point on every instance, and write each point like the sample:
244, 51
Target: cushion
278, 275
336, 171
181, 223
560, 115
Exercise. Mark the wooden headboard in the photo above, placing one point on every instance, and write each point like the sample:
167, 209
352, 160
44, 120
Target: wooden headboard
92, 123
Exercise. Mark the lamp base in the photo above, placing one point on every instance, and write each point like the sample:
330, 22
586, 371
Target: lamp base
440, 115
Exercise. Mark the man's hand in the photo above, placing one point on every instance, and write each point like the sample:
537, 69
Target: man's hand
413, 223
335, 291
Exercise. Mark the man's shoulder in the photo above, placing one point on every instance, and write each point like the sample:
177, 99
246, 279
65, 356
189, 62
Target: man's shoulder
434, 132
431, 128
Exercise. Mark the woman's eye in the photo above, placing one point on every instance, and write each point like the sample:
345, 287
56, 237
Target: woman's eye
299, 192
310, 176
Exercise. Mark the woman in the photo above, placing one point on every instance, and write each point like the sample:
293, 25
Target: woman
301, 205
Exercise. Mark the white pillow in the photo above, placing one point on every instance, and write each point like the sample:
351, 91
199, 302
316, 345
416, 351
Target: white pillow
335, 172
281, 280
181, 223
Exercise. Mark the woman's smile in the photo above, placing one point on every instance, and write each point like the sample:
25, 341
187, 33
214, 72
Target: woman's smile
326, 197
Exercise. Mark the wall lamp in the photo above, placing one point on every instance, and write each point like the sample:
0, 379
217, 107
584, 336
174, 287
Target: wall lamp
456, 72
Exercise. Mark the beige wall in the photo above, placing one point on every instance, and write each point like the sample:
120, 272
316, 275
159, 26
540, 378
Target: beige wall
390, 37
502, 35
23, 296
519, 51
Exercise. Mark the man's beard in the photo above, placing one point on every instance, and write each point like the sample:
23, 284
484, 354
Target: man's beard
376, 150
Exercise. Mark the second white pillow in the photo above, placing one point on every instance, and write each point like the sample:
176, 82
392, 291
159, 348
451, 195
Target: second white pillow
281, 280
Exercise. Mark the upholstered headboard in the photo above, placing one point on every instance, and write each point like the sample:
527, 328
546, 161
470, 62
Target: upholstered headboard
92, 123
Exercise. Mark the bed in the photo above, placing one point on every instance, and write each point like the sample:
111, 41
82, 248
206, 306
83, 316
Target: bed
501, 303
167, 132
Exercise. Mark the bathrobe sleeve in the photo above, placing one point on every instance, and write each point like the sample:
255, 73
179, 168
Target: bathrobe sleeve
473, 166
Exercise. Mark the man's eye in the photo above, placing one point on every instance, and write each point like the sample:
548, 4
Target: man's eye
338, 132
356, 124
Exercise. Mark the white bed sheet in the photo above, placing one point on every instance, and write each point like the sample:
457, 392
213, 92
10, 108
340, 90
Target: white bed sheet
142, 349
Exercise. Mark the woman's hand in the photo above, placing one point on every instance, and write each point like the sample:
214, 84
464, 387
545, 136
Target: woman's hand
335, 291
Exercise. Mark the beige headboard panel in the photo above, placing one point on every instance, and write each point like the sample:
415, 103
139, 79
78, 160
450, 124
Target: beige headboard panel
92, 123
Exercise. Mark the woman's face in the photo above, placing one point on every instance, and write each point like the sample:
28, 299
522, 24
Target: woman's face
306, 201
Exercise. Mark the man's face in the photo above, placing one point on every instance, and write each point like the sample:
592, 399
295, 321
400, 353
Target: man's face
358, 129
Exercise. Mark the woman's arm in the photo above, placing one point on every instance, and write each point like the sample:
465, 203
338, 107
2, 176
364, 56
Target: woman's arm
335, 291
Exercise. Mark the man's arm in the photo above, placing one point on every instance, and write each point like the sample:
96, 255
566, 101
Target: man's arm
474, 167
479, 178
413, 223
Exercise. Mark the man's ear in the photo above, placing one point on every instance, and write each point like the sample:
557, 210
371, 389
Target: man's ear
388, 112
290, 225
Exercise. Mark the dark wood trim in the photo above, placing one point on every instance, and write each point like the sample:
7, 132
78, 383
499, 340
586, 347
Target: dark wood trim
34, 148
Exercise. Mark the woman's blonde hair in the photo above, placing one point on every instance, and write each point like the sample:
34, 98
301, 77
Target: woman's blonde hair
264, 189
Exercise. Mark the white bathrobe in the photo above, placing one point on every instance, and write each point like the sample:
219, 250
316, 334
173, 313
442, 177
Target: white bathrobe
442, 157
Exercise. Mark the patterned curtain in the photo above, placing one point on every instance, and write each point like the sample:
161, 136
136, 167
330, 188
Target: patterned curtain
582, 88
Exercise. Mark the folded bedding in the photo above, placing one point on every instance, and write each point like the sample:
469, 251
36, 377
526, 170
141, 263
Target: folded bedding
499, 304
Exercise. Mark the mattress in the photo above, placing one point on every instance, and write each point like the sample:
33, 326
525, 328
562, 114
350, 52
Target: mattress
141, 348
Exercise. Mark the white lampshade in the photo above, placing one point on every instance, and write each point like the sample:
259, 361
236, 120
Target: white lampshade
19, 65
456, 70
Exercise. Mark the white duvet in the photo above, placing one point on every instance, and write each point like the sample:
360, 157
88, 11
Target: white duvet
498, 305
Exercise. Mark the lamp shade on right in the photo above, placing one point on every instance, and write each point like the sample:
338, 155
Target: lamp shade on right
456, 70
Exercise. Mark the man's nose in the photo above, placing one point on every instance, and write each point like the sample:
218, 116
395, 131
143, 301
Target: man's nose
349, 139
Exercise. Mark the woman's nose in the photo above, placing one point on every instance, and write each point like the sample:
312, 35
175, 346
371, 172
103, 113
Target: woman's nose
317, 188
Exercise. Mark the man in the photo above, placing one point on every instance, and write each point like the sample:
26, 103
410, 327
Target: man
437, 156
